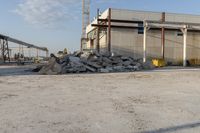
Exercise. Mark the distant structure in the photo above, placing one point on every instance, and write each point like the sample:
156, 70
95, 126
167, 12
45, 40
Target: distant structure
5, 51
85, 21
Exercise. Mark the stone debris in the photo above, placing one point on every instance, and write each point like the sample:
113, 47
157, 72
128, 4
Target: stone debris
92, 62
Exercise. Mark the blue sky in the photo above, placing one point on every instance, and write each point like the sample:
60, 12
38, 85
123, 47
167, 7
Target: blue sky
56, 24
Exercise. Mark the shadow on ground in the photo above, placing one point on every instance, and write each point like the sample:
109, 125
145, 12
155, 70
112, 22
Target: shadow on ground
16, 70
178, 128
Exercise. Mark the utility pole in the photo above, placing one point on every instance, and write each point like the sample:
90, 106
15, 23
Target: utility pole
85, 21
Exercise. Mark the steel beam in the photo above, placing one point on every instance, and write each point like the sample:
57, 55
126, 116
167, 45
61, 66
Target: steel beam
98, 34
120, 21
167, 28
109, 30
172, 23
22, 43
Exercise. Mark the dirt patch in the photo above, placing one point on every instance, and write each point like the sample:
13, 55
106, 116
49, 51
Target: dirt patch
7, 96
139, 76
141, 102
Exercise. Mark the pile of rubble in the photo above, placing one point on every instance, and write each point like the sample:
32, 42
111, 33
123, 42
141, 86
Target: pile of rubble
92, 62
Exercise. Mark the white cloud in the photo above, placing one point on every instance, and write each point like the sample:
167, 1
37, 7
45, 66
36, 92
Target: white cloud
48, 13
51, 13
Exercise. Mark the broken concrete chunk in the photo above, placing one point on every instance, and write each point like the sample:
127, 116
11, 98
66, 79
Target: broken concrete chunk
139, 65
93, 58
107, 60
57, 68
148, 65
117, 60
93, 64
124, 58
38, 68
78, 53
77, 69
74, 59
106, 54
85, 55
90, 68
136, 68
104, 64
48, 69
119, 68
97, 54
126, 63
102, 70
110, 69
83, 62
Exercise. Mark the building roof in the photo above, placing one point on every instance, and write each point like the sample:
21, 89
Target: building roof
136, 15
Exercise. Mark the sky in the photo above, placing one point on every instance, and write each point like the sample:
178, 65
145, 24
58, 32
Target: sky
56, 24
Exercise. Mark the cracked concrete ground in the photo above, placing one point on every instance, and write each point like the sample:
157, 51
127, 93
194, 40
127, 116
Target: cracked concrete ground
143, 102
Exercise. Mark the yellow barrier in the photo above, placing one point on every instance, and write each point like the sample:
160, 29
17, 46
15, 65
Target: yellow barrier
158, 62
194, 62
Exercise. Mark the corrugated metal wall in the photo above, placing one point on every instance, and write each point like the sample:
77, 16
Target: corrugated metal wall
135, 15
129, 42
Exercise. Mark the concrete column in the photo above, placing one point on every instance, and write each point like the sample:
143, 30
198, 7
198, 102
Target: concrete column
47, 53
184, 30
37, 53
144, 42
29, 52
163, 37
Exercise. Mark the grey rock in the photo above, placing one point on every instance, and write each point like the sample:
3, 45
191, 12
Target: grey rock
85, 55
130, 67
90, 69
51, 68
93, 58
104, 64
119, 68
126, 63
102, 70
82, 62
78, 53
136, 68
74, 59
107, 60
96, 53
139, 65
148, 65
93, 64
106, 54
110, 69
124, 58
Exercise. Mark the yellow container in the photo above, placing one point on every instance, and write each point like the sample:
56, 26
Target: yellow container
194, 62
159, 62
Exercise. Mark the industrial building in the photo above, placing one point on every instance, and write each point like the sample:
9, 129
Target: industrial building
141, 34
